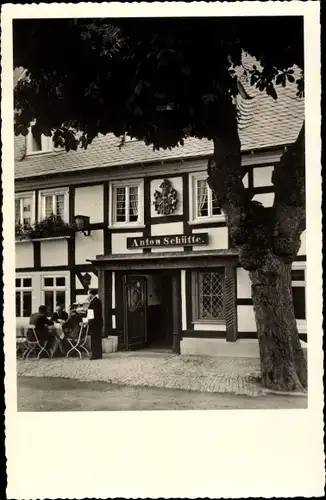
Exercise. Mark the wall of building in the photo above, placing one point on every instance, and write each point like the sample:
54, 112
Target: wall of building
71, 256
24, 254
88, 247
89, 201
54, 252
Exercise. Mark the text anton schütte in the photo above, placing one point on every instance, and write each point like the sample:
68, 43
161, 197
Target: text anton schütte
168, 240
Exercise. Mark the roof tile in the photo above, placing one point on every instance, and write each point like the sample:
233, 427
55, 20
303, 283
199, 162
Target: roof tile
263, 123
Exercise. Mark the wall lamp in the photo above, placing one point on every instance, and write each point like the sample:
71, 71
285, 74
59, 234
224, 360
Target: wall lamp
81, 223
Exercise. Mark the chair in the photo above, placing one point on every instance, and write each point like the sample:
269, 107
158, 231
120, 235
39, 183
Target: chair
34, 345
20, 340
79, 342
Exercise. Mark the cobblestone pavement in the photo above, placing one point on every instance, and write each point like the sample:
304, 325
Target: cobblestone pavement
195, 373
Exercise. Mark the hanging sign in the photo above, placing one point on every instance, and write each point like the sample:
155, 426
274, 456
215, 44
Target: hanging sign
172, 240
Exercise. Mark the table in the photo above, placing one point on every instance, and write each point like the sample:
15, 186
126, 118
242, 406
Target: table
57, 330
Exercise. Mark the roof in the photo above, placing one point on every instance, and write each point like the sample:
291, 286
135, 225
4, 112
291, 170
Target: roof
170, 260
263, 123
164, 255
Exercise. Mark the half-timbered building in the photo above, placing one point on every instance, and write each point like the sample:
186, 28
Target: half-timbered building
143, 227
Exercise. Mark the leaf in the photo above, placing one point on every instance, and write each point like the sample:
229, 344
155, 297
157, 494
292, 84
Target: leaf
271, 91
186, 70
139, 87
207, 98
138, 111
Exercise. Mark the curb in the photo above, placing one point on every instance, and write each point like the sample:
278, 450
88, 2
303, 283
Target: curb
285, 393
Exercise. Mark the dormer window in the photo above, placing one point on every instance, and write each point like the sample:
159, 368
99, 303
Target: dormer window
37, 143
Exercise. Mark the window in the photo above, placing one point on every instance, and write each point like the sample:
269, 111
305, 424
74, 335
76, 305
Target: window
203, 202
38, 143
24, 209
55, 292
54, 202
208, 296
23, 297
299, 292
127, 204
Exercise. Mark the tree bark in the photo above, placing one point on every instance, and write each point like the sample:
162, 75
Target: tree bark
283, 365
267, 240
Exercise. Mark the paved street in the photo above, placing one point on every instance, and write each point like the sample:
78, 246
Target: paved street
155, 369
54, 394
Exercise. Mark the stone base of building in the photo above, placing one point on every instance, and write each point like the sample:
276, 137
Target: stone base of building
242, 348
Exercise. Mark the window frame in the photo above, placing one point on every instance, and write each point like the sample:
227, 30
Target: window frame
139, 183
54, 192
20, 197
46, 143
54, 288
194, 218
22, 289
196, 297
300, 266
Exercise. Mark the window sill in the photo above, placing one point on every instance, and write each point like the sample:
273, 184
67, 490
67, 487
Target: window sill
207, 220
127, 226
208, 322
37, 153
27, 240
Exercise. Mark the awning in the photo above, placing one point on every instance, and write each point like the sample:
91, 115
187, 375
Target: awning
166, 260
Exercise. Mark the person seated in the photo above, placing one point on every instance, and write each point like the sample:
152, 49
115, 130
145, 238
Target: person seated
41, 322
60, 314
71, 326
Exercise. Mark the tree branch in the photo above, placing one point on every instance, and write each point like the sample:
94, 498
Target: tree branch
289, 202
249, 223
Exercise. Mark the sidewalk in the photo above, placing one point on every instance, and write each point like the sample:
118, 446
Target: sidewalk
161, 370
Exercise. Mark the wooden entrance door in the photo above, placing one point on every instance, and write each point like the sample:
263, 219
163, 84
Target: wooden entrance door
135, 301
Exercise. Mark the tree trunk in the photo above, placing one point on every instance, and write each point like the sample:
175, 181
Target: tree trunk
267, 240
282, 361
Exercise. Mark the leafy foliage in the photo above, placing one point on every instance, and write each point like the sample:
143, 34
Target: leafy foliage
51, 226
159, 80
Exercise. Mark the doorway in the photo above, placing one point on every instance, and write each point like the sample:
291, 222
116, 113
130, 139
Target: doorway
148, 311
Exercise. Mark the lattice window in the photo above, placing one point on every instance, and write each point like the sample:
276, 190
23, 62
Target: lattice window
209, 296
23, 297
126, 204
54, 203
204, 202
24, 210
55, 292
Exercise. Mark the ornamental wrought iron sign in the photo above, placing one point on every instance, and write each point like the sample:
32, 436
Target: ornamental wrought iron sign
172, 240
86, 280
166, 200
